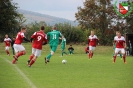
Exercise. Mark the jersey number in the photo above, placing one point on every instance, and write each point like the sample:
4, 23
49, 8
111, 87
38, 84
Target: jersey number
39, 38
54, 36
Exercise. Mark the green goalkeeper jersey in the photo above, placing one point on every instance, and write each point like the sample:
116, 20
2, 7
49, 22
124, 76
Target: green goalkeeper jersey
54, 37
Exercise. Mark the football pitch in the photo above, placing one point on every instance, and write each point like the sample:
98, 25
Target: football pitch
78, 72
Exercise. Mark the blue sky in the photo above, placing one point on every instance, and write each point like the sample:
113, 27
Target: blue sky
58, 8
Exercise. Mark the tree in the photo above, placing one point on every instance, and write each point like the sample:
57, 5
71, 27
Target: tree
129, 21
8, 15
21, 19
96, 15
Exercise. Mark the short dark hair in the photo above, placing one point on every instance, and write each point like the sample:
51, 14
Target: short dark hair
23, 28
42, 27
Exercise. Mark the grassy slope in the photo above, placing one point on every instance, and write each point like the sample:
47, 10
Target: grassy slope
79, 72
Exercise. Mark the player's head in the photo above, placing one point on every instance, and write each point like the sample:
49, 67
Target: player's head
118, 33
54, 28
42, 28
92, 32
6, 35
23, 29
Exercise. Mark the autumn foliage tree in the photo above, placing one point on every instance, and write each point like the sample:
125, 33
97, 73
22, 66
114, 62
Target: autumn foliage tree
96, 15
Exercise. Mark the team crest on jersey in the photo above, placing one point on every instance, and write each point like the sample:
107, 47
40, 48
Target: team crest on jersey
123, 8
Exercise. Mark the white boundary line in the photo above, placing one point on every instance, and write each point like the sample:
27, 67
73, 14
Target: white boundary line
21, 73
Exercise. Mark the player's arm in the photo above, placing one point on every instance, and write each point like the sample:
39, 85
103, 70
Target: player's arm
124, 44
65, 42
60, 35
114, 43
32, 37
24, 38
10, 40
45, 40
97, 41
48, 34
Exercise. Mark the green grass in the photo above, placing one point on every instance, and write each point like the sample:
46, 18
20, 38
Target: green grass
79, 72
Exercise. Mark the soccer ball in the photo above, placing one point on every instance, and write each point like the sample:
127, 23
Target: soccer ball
64, 61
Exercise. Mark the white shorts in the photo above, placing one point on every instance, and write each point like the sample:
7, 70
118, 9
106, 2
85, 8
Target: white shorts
36, 52
18, 47
92, 48
121, 50
7, 48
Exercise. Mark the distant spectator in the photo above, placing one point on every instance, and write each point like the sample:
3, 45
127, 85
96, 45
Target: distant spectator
70, 49
12, 42
127, 51
129, 45
87, 50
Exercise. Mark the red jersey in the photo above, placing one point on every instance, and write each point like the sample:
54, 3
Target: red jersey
39, 37
119, 41
7, 41
92, 40
19, 38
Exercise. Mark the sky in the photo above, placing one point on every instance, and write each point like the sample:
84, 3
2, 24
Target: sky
58, 8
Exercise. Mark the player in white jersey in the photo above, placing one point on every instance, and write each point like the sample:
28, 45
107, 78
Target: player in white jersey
120, 46
92, 41
7, 41
18, 47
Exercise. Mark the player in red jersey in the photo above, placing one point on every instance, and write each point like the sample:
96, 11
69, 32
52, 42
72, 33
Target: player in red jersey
120, 46
92, 41
7, 41
18, 47
40, 38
